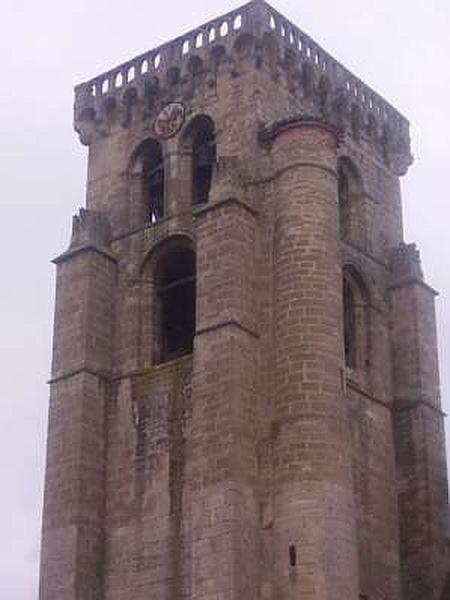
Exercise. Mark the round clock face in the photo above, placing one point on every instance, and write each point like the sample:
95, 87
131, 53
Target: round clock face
170, 120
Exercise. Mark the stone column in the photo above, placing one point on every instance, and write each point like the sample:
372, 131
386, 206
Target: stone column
418, 431
179, 181
314, 532
72, 539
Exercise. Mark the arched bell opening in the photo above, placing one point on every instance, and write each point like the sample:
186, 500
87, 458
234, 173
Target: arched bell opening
174, 314
355, 303
148, 166
199, 141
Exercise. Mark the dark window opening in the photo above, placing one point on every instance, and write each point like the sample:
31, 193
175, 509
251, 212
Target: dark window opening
176, 302
344, 203
292, 556
203, 161
349, 325
153, 181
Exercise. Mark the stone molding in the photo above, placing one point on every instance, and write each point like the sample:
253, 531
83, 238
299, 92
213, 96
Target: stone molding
258, 31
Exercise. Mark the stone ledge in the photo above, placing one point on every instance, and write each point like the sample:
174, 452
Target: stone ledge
71, 252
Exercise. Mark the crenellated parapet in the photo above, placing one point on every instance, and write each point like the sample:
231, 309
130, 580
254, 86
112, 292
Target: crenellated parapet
90, 230
406, 263
90, 227
256, 28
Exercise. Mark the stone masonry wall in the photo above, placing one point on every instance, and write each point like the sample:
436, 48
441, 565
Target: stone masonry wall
261, 466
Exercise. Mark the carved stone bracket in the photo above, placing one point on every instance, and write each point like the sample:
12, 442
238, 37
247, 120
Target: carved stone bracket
327, 88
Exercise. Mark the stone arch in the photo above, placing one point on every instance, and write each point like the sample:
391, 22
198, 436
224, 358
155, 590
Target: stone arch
168, 299
147, 172
109, 105
130, 96
173, 76
356, 327
147, 264
195, 65
218, 53
198, 142
244, 43
87, 114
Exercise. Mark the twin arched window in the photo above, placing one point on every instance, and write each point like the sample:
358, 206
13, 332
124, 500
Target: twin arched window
199, 145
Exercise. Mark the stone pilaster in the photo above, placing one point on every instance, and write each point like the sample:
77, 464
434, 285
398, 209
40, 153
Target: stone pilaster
222, 447
72, 546
418, 430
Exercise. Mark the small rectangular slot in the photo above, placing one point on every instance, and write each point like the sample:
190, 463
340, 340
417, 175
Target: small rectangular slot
292, 556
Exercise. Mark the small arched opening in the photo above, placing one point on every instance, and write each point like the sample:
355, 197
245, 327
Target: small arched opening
148, 163
355, 319
175, 300
200, 139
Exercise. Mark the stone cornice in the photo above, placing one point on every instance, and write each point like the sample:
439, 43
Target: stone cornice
339, 97
72, 252
413, 281
269, 133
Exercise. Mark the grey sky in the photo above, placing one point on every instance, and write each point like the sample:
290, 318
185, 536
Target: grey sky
398, 47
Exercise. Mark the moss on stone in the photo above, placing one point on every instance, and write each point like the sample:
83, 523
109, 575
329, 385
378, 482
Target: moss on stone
173, 371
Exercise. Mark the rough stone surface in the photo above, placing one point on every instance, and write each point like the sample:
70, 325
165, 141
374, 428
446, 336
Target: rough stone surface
269, 463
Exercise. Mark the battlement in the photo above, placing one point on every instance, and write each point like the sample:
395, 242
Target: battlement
354, 105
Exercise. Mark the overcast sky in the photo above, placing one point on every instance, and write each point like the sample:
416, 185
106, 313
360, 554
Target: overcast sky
399, 47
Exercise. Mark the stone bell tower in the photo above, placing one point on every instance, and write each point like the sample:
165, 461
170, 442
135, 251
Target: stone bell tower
244, 396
